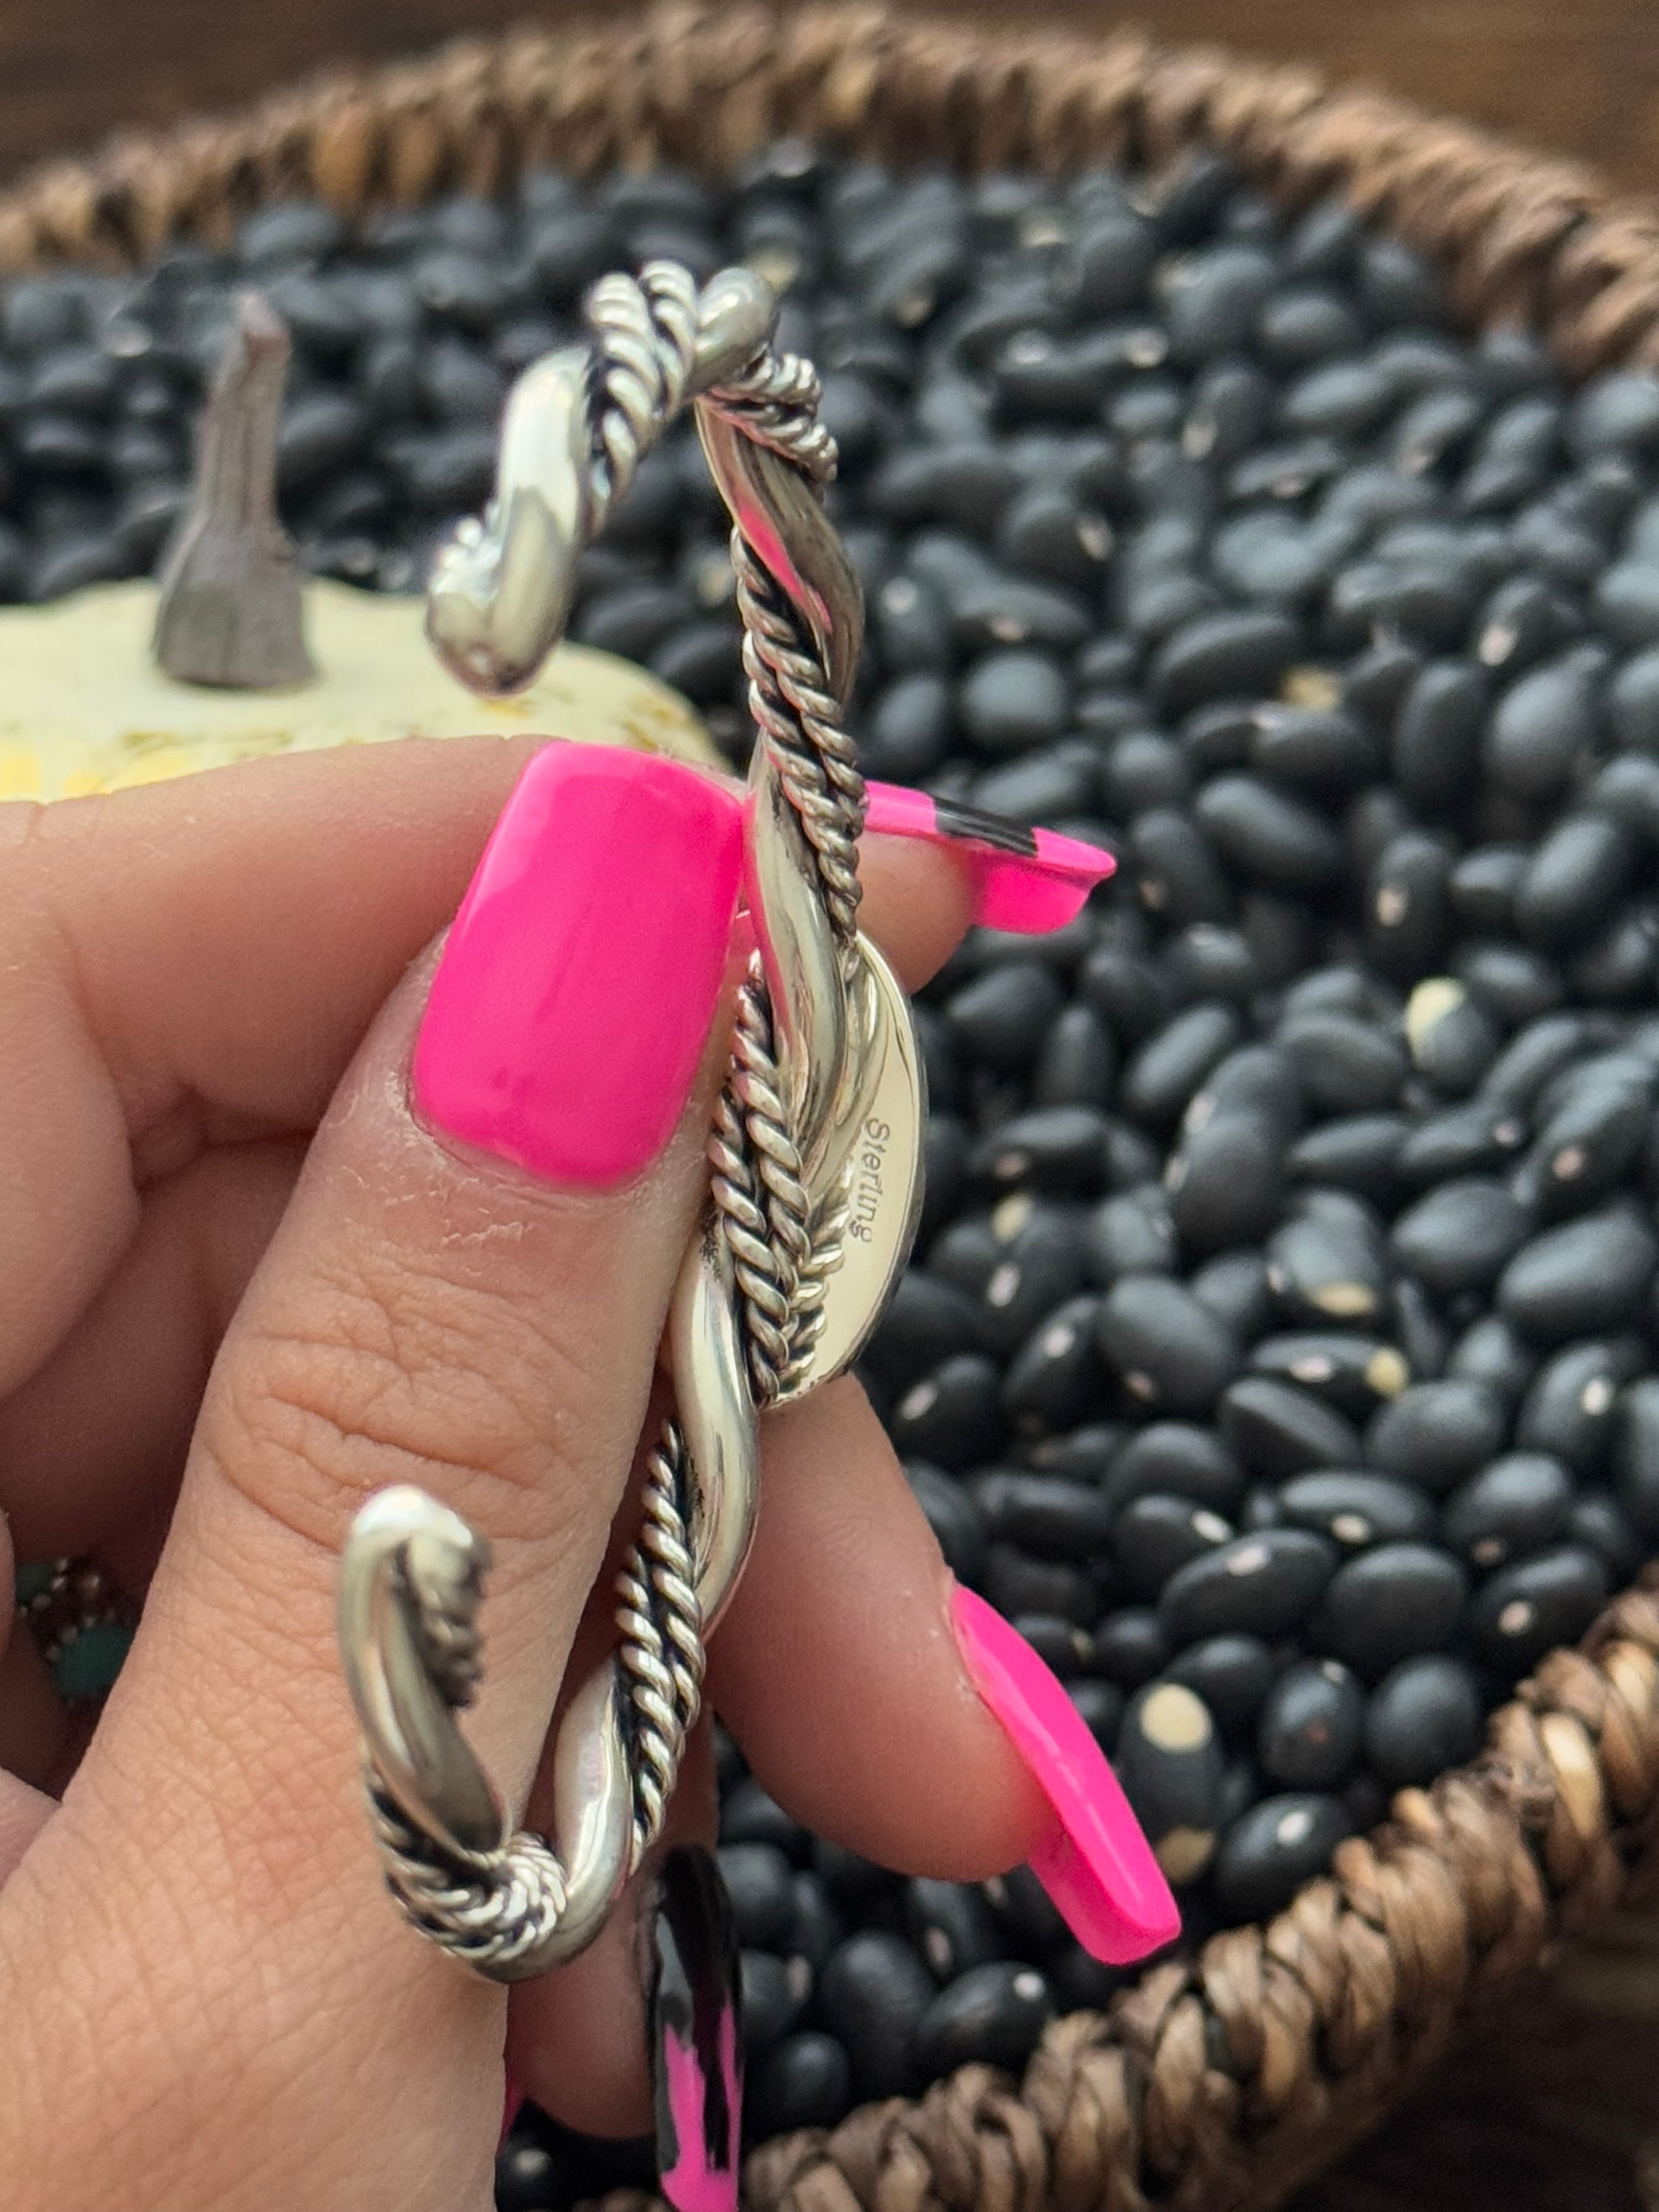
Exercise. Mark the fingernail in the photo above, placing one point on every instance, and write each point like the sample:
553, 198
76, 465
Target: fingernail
696, 2037
1030, 880
1095, 1863
576, 990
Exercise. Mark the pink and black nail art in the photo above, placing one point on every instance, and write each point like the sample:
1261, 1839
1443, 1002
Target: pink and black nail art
696, 2036
1024, 879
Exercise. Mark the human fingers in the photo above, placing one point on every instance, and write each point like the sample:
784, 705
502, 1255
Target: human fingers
893, 1712
200, 959
469, 1297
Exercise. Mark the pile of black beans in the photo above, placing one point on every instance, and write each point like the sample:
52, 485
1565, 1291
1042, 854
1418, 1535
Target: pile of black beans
1280, 1353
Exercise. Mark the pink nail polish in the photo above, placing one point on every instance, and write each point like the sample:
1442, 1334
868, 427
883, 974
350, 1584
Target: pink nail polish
511, 2102
1030, 880
1095, 1863
575, 992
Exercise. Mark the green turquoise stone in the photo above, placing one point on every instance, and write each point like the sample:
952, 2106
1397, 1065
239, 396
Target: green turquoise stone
87, 1665
30, 1580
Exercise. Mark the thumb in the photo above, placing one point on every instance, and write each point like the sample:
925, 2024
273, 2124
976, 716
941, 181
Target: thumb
466, 1293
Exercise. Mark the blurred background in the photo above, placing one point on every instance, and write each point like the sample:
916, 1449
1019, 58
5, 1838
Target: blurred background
1579, 76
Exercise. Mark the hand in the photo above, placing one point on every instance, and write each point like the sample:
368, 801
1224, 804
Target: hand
249, 1274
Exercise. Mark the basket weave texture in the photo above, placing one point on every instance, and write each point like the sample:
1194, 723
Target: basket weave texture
1221, 2083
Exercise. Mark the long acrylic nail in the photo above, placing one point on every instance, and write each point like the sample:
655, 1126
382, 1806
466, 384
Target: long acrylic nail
696, 2035
1095, 1863
1030, 880
575, 992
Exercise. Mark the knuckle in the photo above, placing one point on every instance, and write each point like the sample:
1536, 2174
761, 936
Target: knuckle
385, 1369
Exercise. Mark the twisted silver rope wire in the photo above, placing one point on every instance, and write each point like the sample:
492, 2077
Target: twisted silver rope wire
499, 1908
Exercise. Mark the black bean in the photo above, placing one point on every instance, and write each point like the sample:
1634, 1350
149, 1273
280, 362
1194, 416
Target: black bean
1346, 1066
1580, 870
1541, 727
1351, 1373
1483, 885
1264, 1583
1253, 1079
748, 1815
1108, 261
1568, 1408
1131, 1234
872, 1995
1130, 1645
1461, 1235
1077, 1065
1208, 961
1388, 1603
1280, 1429
1510, 983
771, 1997
1452, 1041
908, 733
1157, 1533
1100, 1705
1012, 700
964, 486
443, 472
1458, 1141
1632, 703
1513, 1506
1435, 1434
1601, 1524
759, 1881
1002, 1015
1215, 297
991, 2016
1226, 1180
1360, 1153
1309, 1733
1173, 1356
1272, 1850
952, 1415
1327, 1265
1021, 1588
1046, 1514
1169, 1761
1526, 1610
1231, 1672
913, 630
1053, 1148
1174, 870
1169, 1066
1355, 1508
1223, 655
1612, 410
1422, 1719
284, 231
804, 2082
1146, 773
951, 1924
1233, 1286
1636, 1455
1034, 1261
1177, 1457
1585, 1275
1269, 835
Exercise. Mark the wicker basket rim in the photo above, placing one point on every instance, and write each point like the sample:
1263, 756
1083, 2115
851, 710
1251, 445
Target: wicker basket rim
1220, 2083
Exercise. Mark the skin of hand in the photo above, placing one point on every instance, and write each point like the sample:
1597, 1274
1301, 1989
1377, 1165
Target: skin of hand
244, 1284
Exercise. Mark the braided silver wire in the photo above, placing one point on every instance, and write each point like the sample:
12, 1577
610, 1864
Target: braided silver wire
491, 1910
661, 1619
798, 716
500, 1908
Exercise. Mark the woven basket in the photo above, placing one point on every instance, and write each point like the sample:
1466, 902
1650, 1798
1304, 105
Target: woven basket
1221, 2084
